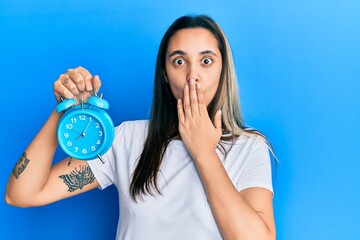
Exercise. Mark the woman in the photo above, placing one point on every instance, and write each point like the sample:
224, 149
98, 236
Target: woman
191, 172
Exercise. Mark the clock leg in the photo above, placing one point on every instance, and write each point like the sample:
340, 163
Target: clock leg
102, 160
70, 161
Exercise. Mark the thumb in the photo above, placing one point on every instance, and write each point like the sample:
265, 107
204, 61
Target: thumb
96, 83
217, 120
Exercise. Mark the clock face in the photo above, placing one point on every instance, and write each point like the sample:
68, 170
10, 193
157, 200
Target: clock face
81, 134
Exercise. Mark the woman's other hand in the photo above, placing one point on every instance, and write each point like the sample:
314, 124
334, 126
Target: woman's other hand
198, 132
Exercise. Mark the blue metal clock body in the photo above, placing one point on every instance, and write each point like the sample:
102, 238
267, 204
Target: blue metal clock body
85, 131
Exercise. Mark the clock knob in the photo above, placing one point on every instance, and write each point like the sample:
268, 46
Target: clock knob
98, 102
66, 104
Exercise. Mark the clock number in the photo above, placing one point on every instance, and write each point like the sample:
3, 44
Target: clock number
98, 142
93, 148
73, 120
84, 151
76, 149
82, 117
66, 135
90, 119
69, 143
97, 125
100, 133
69, 126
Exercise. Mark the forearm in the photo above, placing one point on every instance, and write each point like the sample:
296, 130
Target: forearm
235, 217
32, 170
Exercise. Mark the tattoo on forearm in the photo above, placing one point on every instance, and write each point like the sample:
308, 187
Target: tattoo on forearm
77, 179
20, 165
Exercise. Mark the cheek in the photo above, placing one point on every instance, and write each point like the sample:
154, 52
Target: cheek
176, 89
209, 94
211, 86
176, 82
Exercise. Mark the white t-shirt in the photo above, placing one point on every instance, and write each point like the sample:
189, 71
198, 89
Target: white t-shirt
181, 211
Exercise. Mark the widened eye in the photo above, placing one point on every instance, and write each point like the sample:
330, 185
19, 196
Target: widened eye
206, 61
179, 61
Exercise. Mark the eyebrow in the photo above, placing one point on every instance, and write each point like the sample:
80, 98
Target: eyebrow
208, 52
180, 52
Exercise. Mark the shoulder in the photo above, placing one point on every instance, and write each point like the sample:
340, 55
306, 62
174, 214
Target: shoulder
248, 143
247, 149
135, 123
131, 126
136, 130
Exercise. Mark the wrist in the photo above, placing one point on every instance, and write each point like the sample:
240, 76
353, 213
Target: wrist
206, 156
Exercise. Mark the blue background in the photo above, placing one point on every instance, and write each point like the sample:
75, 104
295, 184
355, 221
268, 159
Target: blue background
298, 65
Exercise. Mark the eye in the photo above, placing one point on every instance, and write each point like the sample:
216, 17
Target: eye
179, 61
207, 61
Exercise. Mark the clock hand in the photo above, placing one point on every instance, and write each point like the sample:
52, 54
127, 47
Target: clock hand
82, 134
87, 125
77, 130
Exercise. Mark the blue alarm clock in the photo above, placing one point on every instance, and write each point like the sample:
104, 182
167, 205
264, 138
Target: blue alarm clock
85, 131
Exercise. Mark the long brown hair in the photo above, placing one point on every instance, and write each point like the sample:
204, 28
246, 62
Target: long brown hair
163, 124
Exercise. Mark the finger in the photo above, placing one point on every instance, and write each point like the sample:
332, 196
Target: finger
96, 83
69, 84
87, 78
63, 82
180, 111
61, 91
201, 99
193, 98
186, 104
57, 97
217, 120
77, 78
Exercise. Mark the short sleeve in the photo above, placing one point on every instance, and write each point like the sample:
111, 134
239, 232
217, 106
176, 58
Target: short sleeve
105, 172
257, 170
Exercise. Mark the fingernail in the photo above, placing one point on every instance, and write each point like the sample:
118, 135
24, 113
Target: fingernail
198, 85
186, 87
192, 81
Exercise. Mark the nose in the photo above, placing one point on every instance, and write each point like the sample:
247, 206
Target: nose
189, 78
192, 73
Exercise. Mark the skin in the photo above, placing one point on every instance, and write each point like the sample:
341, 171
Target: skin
193, 58
193, 67
239, 215
41, 182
